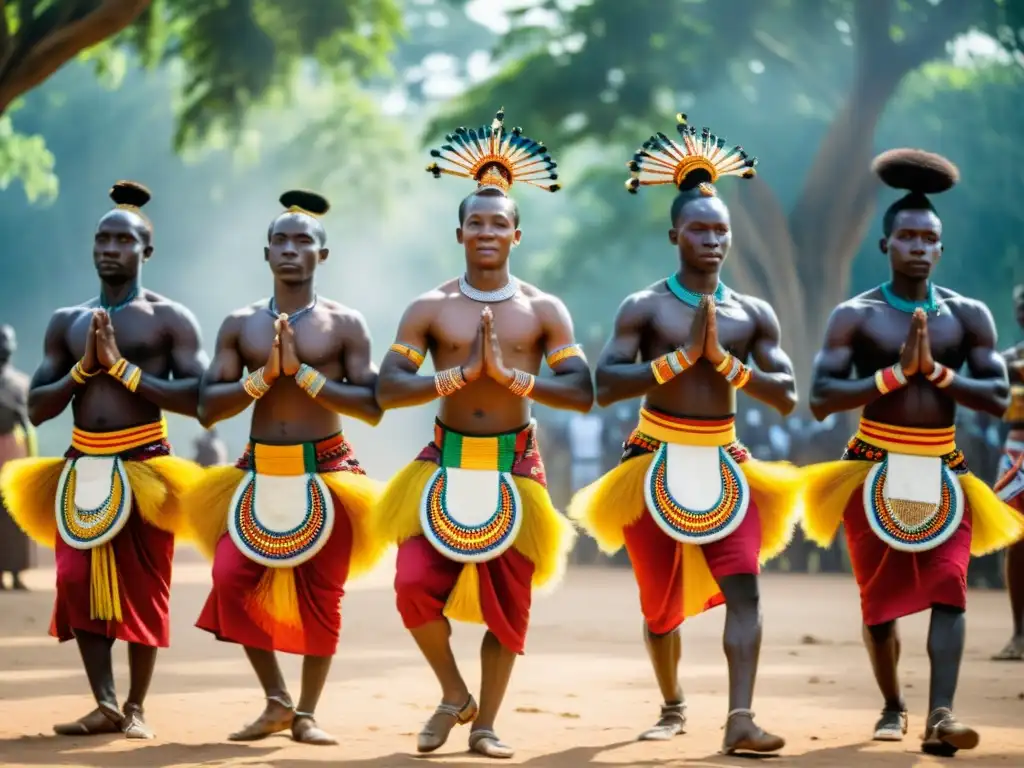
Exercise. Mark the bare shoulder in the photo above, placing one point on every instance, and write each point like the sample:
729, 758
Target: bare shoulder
756, 307
235, 321
543, 303
973, 314
848, 315
15, 380
427, 304
344, 319
174, 313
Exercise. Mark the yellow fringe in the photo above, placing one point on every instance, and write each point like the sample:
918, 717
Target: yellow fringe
158, 486
359, 494
827, 488
464, 600
274, 604
29, 488
105, 594
995, 524
606, 507
206, 505
545, 538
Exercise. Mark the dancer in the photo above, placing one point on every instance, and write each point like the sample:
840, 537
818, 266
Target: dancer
287, 525
912, 511
472, 516
112, 505
696, 513
17, 440
1010, 486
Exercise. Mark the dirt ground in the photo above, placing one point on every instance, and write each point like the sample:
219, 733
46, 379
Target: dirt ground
578, 698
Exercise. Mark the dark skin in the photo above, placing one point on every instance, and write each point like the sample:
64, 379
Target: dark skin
1014, 357
162, 338
864, 335
654, 322
336, 341
488, 341
13, 409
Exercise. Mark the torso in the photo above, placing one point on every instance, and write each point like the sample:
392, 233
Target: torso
701, 392
286, 414
881, 332
143, 332
485, 406
13, 399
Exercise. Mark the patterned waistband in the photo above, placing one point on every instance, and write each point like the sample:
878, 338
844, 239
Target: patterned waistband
332, 454
121, 441
910, 440
681, 430
490, 452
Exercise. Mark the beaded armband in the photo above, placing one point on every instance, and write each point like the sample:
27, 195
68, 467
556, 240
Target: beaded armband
942, 376
564, 353
126, 373
449, 381
79, 374
310, 380
667, 367
411, 354
522, 383
254, 385
735, 372
891, 378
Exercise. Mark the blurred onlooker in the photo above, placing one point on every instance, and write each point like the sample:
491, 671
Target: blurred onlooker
210, 450
17, 440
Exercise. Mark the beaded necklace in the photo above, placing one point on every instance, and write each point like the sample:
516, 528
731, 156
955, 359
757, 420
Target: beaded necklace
294, 317
692, 298
112, 308
929, 305
506, 292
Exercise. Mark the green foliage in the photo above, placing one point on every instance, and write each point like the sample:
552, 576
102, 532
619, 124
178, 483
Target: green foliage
25, 158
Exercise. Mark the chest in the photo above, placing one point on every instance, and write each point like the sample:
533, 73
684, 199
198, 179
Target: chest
139, 332
516, 325
887, 329
316, 342
672, 324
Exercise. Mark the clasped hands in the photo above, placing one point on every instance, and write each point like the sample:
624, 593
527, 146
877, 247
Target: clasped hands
916, 352
284, 358
704, 335
485, 355
101, 350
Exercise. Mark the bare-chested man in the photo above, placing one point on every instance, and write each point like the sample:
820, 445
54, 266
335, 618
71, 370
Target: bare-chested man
1010, 485
696, 513
472, 516
912, 511
17, 440
120, 360
287, 525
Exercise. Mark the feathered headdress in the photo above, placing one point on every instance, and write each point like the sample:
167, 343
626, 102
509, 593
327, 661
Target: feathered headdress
696, 161
302, 201
495, 158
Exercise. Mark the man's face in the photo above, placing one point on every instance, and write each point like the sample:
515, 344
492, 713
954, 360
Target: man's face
119, 247
295, 248
703, 234
915, 245
488, 231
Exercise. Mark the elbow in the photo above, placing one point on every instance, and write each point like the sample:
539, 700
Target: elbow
35, 415
789, 403
385, 394
997, 406
584, 401
204, 417
604, 396
819, 410
373, 413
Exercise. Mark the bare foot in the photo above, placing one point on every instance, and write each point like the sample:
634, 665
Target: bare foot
445, 717
306, 731
742, 734
134, 724
1012, 651
100, 720
891, 726
945, 735
485, 742
278, 716
671, 723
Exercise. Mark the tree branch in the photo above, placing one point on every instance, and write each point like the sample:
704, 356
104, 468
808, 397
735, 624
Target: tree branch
61, 42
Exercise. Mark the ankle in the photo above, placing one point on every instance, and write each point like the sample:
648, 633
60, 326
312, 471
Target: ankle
457, 697
280, 699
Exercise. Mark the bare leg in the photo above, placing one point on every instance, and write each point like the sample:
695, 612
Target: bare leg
1014, 650
944, 734
99, 669
742, 643
141, 663
664, 652
883, 644
279, 712
457, 706
496, 662
16, 582
304, 727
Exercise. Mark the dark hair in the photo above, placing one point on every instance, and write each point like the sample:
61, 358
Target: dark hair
921, 173
307, 203
131, 196
488, 192
695, 186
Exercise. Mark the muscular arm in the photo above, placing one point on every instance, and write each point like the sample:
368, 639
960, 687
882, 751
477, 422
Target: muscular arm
52, 387
571, 388
619, 376
772, 382
179, 394
399, 385
987, 388
354, 396
832, 389
221, 394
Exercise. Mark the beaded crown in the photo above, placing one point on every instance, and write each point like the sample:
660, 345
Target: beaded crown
696, 161
495, 157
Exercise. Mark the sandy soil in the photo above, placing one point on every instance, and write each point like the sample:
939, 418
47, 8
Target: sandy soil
578, 698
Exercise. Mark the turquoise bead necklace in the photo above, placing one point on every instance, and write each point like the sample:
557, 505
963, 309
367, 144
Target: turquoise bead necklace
692, 298
929, 305
112, 308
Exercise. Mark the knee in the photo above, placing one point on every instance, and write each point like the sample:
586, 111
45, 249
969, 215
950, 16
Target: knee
882, 633
742, 592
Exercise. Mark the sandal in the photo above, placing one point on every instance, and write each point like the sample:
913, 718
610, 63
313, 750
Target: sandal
892, 725
101, 720
134, 725
268, 723
945, 735
756, 739
485, 742
311, 733
430, 739
1012, 651
671, 723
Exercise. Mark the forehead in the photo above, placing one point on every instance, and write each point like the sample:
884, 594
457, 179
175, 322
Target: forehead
917, 221
705, 210
293, 225
489, 205
119, 222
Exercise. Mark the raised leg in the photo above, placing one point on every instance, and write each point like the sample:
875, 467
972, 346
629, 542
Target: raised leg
1014, 650
457, 705
944, 734
883, 644
742, 643
664, 652
141, 663
304, 727
496, 662
279, 712
99, 669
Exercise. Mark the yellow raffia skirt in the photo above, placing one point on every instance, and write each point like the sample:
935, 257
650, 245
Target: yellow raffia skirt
828, 487
609, 505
